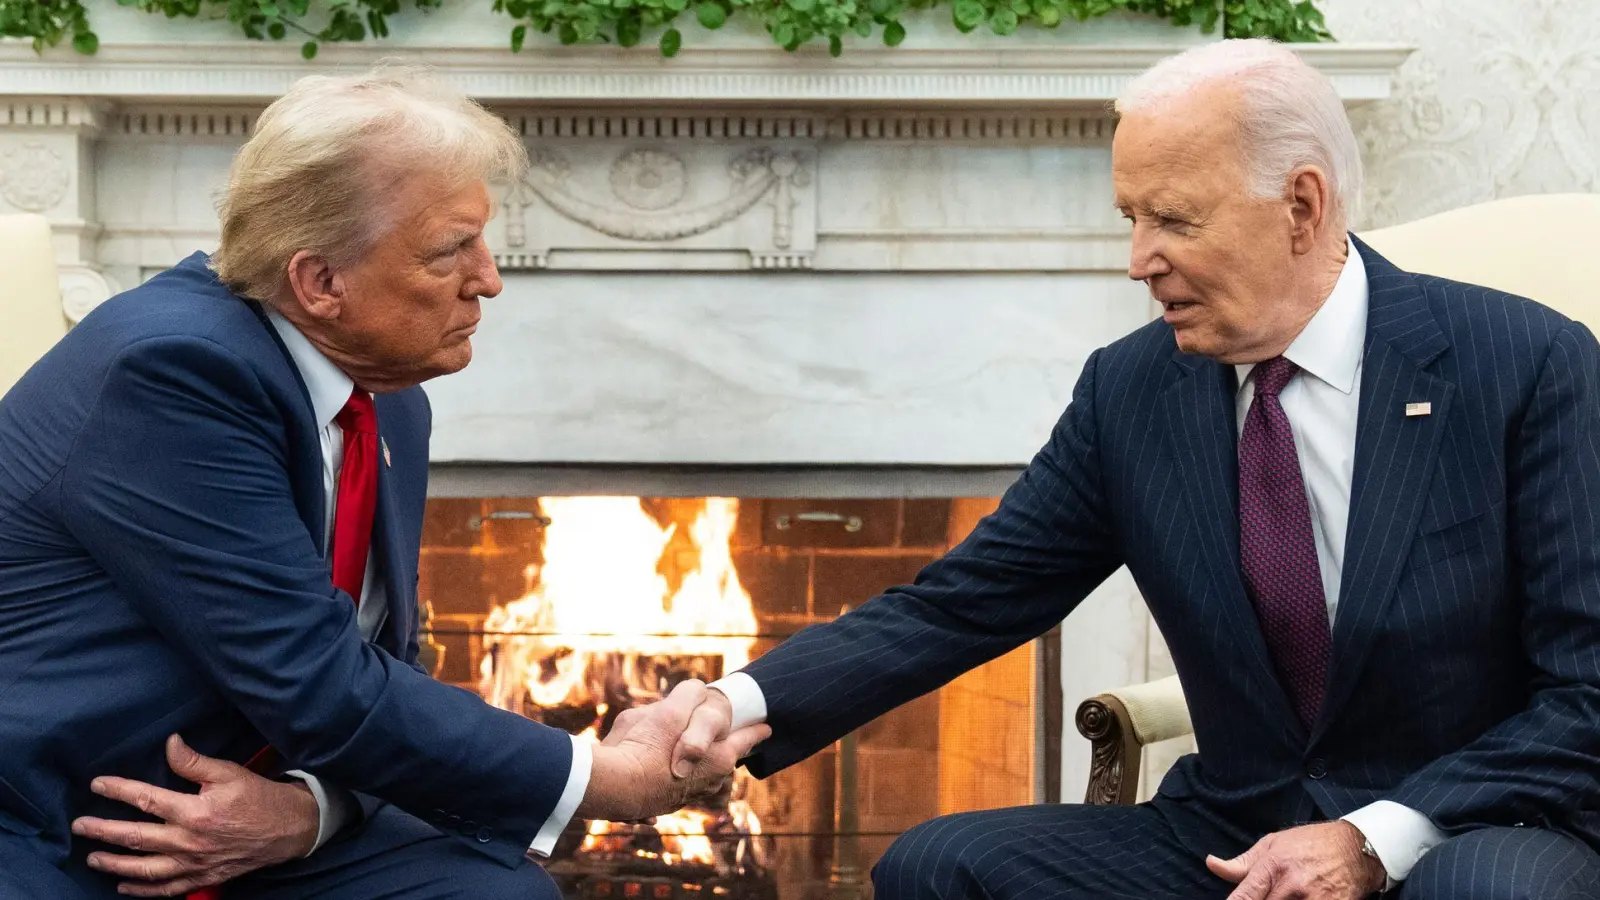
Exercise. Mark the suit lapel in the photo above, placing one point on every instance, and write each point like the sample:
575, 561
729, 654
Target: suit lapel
390, 556
1396, 455
1202, 429
305, 441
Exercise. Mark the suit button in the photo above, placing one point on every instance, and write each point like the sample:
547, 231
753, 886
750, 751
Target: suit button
469, 827
485, 834
1317, 768
452, 821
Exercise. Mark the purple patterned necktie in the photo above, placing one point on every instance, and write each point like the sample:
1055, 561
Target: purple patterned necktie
1277, 553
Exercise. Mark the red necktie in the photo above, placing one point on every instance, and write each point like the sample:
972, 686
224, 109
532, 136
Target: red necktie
355, 506
1277, 549
357, 501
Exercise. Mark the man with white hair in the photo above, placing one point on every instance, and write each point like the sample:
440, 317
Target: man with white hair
1360, 504
211, 502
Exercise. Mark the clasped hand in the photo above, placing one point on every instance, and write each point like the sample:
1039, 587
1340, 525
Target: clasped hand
660, 757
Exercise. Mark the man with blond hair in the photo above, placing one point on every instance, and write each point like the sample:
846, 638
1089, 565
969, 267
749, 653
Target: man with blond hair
211, 501
1360, 504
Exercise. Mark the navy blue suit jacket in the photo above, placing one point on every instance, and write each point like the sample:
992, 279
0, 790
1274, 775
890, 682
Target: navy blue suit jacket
161, 519
1466, 673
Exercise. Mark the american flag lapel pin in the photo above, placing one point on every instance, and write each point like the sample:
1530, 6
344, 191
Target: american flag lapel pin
385, 445
1412, 409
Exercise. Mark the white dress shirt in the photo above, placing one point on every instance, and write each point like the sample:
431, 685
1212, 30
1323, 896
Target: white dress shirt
330, 389
1321, 404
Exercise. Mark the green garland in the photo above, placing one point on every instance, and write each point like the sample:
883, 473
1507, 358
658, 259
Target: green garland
791, 23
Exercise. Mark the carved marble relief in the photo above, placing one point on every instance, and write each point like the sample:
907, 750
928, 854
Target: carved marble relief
708, 204
33, 176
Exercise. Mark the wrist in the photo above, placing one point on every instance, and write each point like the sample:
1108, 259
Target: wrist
301, 839
611, 793
1375, 874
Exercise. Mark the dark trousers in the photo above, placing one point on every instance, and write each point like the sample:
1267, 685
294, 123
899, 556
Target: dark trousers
1153, 852
395, 856
391, 856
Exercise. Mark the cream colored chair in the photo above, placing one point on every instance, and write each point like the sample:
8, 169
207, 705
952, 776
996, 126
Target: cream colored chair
30, 295
1538, 247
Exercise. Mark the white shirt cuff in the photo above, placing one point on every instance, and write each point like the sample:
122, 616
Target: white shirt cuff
335, 809
1398, 834
577, 785
744, 695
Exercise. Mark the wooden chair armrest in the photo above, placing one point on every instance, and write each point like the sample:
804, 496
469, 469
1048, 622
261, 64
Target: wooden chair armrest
1118, 724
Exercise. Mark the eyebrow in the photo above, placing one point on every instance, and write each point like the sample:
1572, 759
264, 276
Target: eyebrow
1168, 209
452, 239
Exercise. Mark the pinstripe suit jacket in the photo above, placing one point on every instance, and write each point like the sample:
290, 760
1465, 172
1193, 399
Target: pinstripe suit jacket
1466, 674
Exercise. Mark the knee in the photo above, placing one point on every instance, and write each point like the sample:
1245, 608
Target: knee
1495, 864
933, 861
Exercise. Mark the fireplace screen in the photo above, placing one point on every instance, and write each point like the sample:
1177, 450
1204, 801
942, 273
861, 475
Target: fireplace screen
569, 610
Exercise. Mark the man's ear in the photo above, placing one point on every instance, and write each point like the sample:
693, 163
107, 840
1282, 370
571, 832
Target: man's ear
1310, 199
318, 288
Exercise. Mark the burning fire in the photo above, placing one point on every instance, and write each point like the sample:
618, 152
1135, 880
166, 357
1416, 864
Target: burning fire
600, 624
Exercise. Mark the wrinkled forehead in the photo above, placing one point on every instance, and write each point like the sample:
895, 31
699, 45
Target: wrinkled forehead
1176, 151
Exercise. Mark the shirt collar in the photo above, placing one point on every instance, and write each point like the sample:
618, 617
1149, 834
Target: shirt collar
328, 386
1330, 345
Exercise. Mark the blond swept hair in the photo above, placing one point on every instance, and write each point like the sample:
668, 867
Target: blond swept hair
1290, 114
320, 170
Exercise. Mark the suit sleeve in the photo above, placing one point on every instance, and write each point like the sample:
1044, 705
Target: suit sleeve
1542, 765
179, 487
1021, 571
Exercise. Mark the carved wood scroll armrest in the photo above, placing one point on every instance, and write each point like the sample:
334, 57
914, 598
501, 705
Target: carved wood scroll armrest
1118, 724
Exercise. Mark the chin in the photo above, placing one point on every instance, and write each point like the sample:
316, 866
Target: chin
456, 358
1193, 341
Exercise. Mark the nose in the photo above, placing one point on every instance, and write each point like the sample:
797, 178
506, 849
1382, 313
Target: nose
485, 280
1145, 260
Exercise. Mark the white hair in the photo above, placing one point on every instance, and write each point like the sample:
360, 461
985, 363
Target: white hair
1289, 116
321, 170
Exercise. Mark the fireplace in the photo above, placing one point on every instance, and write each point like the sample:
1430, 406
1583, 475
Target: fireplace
568, 609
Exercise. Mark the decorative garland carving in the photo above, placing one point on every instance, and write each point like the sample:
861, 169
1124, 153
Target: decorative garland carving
755, 173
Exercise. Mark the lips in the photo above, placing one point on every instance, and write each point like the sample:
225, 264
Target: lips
1174, 311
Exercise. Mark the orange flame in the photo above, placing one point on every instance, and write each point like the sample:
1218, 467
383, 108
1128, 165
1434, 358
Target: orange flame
599, 593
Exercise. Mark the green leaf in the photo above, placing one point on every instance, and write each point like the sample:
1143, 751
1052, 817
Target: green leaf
1004, 20
969, 14
519, 34
864, 27
1048, 16
308, 50
835, 46
671, 42
893, 34
711, 14
783, 33
86, 42
567, 34
802, 6
677, 5
629, 31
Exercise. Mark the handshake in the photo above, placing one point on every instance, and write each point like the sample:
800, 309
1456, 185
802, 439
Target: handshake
658, 758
